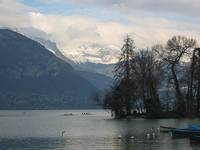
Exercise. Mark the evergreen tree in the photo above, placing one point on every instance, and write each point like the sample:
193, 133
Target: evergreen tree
123, 71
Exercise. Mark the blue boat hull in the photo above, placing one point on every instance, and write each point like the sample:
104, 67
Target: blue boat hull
195, 138
184, 132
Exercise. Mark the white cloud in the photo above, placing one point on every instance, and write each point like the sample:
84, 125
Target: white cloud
68, 31
13, 14
179, 7
71, 32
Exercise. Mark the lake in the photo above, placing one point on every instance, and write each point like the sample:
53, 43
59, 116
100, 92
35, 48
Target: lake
52, 130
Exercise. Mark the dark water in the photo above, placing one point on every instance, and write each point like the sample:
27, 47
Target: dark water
42, 130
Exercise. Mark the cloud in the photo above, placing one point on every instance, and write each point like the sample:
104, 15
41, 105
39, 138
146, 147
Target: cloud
178, 7
33, 32
70, 32
13, 14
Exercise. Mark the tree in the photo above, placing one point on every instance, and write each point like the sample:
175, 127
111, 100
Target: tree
139, 76
193, 92
123, 67
121, 96
114, 100
197, 78
123, 73
148, 73
176, 49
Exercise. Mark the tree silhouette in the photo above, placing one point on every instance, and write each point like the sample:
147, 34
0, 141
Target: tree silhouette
123, 72
148, 72
176, 49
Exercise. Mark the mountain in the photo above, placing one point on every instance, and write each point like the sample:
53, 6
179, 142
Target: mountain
101, 57
98, 80
32, 77
52, 47
94, 53
105, 69
100, 75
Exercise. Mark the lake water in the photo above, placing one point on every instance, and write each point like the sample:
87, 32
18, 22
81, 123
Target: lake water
42, 130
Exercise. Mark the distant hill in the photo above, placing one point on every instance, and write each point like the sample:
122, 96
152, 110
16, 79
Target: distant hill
98, 80
106, 69
31, 77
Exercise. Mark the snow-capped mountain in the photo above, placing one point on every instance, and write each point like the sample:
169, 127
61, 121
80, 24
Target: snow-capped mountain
92, 59
94, 73
52, 47
89, 57
94, 53
88, 52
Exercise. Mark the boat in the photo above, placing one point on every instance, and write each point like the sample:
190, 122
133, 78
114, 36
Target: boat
165, 129
69, 114
195, 138
186, 132
194, 126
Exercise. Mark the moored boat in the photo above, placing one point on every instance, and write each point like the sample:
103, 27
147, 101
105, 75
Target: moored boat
195, 138
187, 132
165, 129
194, 126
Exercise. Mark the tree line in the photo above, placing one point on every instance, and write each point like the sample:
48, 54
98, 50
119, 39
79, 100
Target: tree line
161, 81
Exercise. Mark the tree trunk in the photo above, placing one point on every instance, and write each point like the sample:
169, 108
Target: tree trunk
179, 97
198, 80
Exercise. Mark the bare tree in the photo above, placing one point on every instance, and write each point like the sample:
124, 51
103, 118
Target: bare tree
176, 50
193, 93
148, 73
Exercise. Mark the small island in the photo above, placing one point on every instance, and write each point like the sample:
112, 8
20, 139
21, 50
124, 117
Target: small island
158, 82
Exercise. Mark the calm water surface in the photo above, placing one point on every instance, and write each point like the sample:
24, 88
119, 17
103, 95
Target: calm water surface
35, 130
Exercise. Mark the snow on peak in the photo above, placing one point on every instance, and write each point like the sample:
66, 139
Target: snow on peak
51, 51
94, 53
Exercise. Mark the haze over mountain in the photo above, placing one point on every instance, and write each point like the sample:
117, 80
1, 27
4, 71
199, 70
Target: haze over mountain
32, 77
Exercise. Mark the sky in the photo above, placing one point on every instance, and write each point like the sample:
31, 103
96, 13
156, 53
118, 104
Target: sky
74, 23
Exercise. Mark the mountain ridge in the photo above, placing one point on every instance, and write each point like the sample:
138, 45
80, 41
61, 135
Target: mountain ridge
32, 77
102, 71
